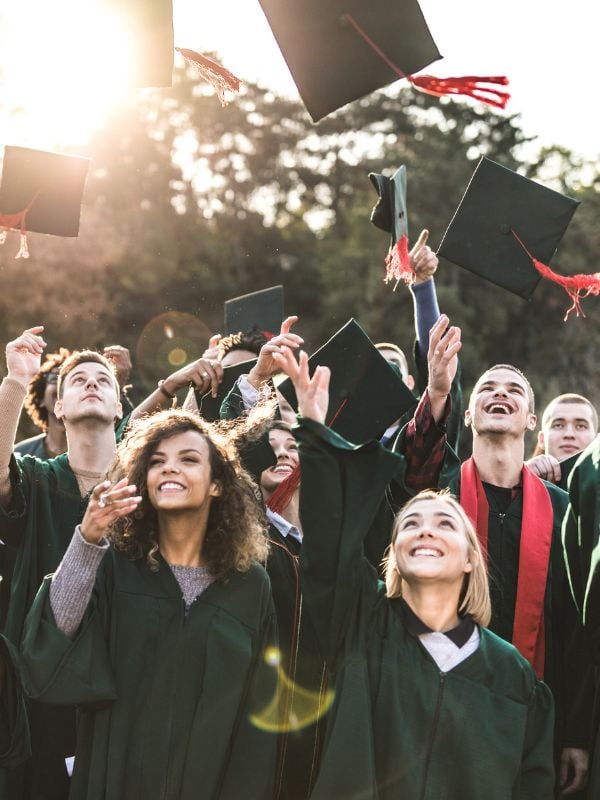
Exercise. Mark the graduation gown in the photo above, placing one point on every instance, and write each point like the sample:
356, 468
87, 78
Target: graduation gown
14, 730
299, 750
400, 728
581, 536
567, 666
165, 698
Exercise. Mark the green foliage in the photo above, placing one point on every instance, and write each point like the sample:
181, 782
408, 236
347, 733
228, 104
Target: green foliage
189, 203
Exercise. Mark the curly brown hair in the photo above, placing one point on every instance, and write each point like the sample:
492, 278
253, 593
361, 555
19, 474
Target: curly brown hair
236, 530
37, 388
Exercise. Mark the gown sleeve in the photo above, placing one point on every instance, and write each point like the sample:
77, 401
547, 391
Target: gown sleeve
14, 730
535, 771
341, 487
58, 669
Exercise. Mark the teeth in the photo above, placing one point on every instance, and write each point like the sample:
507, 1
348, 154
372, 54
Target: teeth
171, 485
426, 551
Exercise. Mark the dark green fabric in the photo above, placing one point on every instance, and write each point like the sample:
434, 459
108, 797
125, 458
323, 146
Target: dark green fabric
299, 750
399, 728
14, 730
567, 668
165, 698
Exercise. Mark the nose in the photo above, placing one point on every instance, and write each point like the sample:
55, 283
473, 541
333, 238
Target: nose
169, 467
91, 382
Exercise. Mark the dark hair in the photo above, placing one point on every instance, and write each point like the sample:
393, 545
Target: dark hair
236, 530
511, 368
85, 357
251, 340
37, 388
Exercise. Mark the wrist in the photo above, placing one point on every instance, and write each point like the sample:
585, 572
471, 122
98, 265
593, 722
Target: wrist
437, 395
19, 377
166, 389
257, 379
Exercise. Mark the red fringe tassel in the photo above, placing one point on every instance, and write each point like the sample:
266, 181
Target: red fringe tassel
397, 263
468, 85
15, 222
212, 72
576, 286
282, 496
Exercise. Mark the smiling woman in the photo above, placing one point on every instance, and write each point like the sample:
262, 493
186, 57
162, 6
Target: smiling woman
63, 66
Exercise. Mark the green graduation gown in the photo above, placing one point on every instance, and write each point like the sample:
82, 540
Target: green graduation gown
567, 667
581, 538
14, 730
165, 697
399, 728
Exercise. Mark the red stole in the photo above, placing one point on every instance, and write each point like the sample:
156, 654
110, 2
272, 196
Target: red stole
534, 555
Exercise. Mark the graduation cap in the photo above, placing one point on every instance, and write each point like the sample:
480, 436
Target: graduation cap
507, 228
366, 395
341, 50
40, 192
390, 215
258, 311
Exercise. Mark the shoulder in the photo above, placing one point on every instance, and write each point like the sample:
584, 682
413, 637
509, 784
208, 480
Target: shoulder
512, 672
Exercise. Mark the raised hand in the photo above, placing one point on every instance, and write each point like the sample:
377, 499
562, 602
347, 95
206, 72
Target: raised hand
442, 361
312, 393
266, 366
546, 467
204, 374
120, 358
106, 505
24, 355
423, 260
212, 351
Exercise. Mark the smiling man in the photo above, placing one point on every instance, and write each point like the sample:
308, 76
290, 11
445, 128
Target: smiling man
518, 519
40, 503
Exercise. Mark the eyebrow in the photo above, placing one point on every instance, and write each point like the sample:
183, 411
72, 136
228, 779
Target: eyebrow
179, 452
512, 384
437, 514
575, 419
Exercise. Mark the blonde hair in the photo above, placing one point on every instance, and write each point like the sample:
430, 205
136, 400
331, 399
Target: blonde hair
475, 594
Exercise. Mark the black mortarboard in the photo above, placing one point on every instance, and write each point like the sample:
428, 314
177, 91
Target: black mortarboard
47, 186
258, 311
42, 191
210, 407
504, 223
365, 394
331, 63
391, 215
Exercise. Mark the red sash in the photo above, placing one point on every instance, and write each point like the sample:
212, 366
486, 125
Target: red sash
534, 555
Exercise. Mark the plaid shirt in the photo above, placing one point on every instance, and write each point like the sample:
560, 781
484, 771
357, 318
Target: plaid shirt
425, 446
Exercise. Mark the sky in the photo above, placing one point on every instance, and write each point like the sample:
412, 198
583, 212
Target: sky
551, 57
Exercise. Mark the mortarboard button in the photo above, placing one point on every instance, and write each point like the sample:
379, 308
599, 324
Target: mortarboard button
258, 311
365, 394
41, 192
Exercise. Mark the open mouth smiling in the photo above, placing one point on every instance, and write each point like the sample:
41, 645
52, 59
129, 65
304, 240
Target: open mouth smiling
429, 552
498, 407
171, 486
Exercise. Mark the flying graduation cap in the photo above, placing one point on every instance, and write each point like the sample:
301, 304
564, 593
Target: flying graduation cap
366, 395
507, 228
40, 192
341, 50
390, 215
260, 311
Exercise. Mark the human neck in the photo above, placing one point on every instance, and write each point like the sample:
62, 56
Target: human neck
181, 536
499, 459
291, 513
91, 448
56, 437
435, 604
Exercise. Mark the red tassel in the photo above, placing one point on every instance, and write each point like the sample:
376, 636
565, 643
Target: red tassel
15, 222
282, 496
576, 286
468, 85
268, 335
218, 77
397, 263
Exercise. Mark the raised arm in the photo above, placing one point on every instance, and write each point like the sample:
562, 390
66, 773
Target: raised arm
424, 263
341, 487
23, 361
